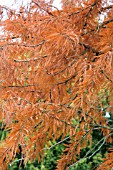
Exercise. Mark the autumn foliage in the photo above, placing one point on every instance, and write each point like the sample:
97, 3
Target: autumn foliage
55, 67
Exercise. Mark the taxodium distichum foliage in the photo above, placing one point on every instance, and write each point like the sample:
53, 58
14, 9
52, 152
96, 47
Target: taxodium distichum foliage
55, 68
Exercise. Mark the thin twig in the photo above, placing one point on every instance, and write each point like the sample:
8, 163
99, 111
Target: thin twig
16, 161
57, 143
32, 59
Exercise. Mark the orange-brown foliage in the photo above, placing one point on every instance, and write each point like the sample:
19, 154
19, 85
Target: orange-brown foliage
54, 63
